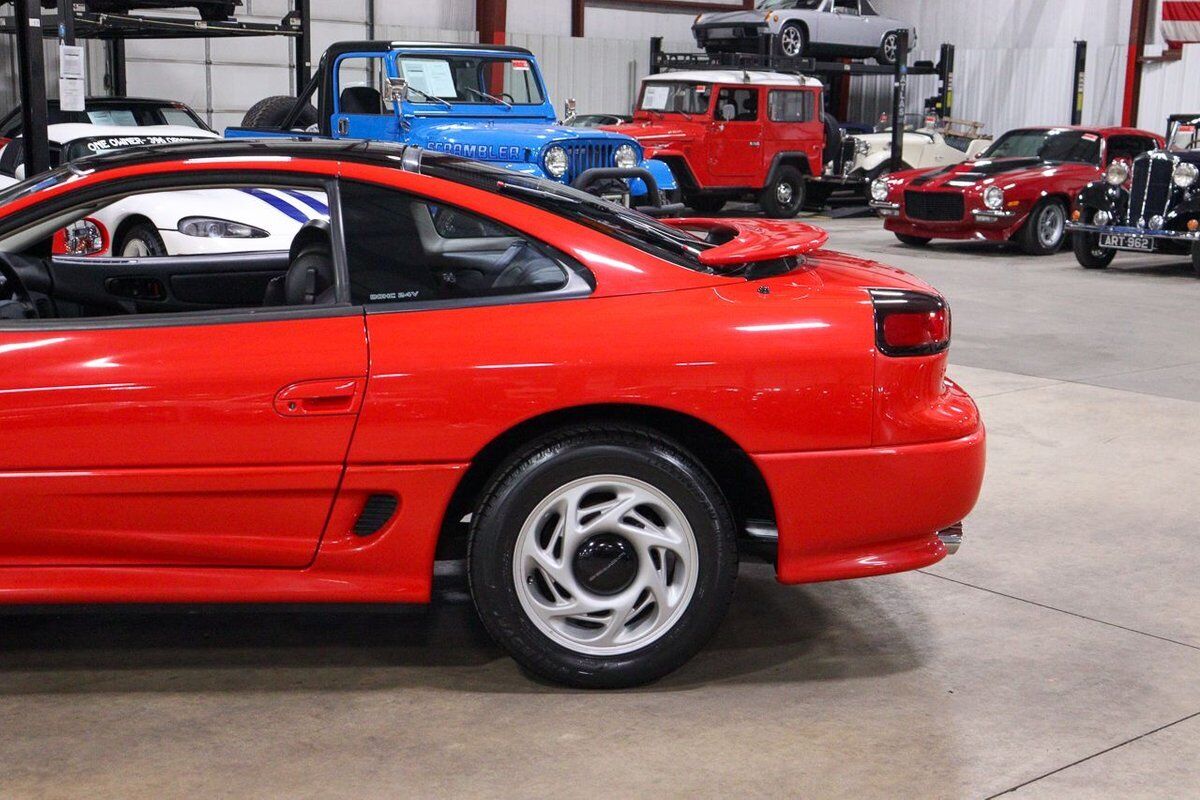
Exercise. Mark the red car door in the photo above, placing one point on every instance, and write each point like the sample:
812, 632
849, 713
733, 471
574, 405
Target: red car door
182, 439
735, 138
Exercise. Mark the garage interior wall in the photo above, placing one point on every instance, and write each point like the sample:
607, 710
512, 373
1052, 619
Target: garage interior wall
1014, 59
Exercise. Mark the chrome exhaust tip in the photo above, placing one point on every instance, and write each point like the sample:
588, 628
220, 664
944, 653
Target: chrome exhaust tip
951, 537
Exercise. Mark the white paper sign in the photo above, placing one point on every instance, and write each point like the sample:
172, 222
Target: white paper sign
429, 77
72, 78
655, 98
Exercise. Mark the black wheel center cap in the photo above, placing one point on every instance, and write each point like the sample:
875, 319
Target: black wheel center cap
605, 564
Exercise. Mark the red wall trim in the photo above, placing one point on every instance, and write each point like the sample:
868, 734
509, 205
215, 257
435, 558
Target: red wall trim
1133, 65
491, 20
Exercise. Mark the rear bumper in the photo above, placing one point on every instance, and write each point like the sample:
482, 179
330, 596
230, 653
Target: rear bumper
854, 513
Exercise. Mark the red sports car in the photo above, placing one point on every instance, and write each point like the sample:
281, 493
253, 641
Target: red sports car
597, 410
1020, 189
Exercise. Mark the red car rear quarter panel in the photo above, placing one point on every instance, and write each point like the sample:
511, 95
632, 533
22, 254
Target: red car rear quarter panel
790, 370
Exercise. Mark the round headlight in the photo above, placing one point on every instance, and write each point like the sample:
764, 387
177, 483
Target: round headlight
1185, 175
879, 190
1102, 218
1117, 173
626, 157
555, 161
993, 197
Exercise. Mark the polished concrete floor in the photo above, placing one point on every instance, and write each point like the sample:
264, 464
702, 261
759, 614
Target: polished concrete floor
1056, 656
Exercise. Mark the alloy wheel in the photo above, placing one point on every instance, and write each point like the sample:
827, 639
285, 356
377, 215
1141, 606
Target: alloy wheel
1050, 226
605, 565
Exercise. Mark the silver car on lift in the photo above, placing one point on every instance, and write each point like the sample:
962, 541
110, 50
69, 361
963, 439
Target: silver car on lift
798, 28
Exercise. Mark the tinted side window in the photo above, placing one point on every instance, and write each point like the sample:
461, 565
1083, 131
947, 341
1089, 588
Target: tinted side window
401, 248
737, 105
790, 106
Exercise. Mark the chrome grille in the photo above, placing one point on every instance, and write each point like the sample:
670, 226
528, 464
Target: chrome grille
1150, 192
934, 206
589, 155
847, 155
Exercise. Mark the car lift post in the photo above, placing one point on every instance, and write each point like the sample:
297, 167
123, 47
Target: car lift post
655, 53
32, 70
945, 70
899, 90
303, 44
1080, 78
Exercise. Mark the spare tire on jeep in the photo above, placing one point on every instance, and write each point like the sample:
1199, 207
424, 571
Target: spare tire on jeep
833, 139
270, 112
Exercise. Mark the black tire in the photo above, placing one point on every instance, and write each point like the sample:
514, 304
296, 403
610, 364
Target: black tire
270, 112
1196, 259
834, 136
886, 54
881, 170
785, 195
705, 203
143, 239
1089, 253
913, 241
792, 41
535, 475
1031, 239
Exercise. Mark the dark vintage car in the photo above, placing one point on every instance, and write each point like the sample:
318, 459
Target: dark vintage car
1151, 207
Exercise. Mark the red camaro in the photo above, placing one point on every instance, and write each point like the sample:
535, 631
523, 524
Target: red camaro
595, 409
1020, 189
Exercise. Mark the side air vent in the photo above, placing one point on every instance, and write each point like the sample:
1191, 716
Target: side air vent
376, 513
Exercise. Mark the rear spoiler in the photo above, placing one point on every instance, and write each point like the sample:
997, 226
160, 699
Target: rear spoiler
743, 241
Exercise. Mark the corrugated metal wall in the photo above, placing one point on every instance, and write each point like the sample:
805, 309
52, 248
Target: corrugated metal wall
1014, 60
1171, 87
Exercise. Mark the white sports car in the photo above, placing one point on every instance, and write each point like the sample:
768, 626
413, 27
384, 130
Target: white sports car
177, 223
804, 28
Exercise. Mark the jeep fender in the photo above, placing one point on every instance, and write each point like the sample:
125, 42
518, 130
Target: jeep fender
799, 157
662, 175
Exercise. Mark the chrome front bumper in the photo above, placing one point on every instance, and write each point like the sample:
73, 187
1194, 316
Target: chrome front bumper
1178, 236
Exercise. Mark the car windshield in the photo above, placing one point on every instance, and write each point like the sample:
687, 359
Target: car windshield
676, 97
781, 4
629, 226
95, 145
1052, 144
472, 79
1185, 134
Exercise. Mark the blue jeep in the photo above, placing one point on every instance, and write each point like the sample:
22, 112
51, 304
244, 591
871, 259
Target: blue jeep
486, 102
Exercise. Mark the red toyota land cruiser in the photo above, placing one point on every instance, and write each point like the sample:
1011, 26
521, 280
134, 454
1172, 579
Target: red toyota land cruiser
729, 134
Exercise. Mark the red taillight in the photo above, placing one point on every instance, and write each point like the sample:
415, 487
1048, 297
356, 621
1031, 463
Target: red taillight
910, 323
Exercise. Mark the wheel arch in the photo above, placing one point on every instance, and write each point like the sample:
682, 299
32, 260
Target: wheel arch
730, 466
117, 233
791, 158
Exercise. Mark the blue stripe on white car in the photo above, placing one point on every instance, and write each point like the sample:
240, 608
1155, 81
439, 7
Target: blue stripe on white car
279, 204
308, 200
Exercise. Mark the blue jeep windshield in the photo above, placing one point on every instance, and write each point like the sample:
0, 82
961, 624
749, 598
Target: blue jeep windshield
471, 79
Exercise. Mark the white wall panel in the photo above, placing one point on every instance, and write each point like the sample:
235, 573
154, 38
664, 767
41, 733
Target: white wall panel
1170, 87
601, 74
1014, 61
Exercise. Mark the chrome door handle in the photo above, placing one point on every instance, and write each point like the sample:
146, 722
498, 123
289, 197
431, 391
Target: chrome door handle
755, 144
